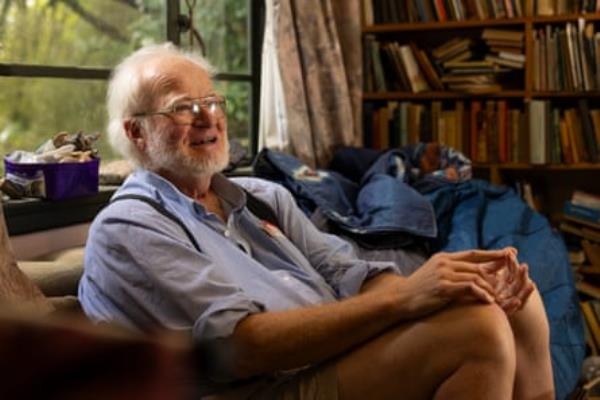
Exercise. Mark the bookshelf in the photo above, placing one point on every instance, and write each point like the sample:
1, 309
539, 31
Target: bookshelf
429, 24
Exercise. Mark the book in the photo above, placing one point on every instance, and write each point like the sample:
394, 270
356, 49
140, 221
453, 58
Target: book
592, 252
518, 46
451, 47
503, 35
582, 198
574, 227
417, 81
508, 55
588, 289
502, 130
589, 136
576, 256
582, 213
426, 67
544, 7
537, 132
574, 132
591, 321
504, 62
595, 116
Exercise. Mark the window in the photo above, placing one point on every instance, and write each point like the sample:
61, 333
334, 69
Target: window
56, 57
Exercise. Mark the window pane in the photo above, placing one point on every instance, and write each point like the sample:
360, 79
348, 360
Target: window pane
33, 110
82, 33
224, 28
238, 110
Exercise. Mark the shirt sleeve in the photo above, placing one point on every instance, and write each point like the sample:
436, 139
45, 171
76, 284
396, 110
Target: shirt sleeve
333, 257
143, 262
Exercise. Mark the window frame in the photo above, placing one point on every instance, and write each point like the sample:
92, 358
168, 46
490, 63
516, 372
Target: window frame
31, 215
173, 34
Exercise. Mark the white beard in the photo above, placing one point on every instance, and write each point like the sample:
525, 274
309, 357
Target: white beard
161, 156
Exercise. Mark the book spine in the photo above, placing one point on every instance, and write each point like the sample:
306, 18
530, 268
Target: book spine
582, 212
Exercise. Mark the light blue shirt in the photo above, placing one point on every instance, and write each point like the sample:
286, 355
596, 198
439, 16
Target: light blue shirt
141, 270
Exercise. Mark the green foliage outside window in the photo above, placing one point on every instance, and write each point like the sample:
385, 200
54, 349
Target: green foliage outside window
98, 33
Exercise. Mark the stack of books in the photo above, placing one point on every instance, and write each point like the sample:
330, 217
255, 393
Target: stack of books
472, 76
392, 66
591, 314
466, 69
567, 58
457, 64
506, 47
456, 49
580, 226
461, 70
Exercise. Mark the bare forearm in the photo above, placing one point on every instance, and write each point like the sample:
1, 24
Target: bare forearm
289, 339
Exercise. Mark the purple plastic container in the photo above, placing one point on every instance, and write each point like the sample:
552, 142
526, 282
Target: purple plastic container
59, 180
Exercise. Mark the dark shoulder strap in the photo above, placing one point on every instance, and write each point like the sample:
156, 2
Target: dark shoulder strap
260, 209
161, 209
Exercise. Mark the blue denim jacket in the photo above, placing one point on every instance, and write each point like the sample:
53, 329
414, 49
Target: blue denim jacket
382, 203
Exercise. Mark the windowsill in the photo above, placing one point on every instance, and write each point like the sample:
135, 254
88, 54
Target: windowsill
32, 215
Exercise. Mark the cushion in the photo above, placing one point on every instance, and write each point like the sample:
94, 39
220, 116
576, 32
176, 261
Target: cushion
15, 287
58, 274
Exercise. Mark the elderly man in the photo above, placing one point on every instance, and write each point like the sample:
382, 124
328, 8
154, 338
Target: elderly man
284, 310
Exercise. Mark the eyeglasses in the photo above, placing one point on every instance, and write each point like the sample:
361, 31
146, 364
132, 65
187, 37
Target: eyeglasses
185, 112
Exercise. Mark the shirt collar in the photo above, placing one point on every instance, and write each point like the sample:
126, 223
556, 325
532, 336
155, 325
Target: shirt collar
224, 188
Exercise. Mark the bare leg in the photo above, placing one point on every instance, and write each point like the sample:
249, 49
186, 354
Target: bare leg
463, 352
532, 339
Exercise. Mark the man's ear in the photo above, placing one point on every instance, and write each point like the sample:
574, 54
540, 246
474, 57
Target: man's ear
134, 132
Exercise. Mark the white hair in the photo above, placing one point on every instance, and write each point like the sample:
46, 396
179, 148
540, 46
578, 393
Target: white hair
128, 93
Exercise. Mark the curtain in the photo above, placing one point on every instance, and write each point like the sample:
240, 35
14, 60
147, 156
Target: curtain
311, 78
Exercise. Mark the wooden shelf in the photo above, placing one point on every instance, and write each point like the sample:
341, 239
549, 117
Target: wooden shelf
422, 26
439, 95
573, 94
460, 95
550, 167
551, 184
477, 23
563, 18
588, 289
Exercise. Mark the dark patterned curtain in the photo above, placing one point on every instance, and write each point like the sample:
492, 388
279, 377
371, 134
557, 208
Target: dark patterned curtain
311, 78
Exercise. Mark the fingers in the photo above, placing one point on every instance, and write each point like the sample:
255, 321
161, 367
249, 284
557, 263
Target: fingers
475, 279
460, 289
514, 297
527, 286
480, 255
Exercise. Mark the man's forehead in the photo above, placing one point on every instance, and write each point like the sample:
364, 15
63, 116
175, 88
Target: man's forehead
178, 77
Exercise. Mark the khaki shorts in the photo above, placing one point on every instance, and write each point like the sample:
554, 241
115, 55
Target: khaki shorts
315, 383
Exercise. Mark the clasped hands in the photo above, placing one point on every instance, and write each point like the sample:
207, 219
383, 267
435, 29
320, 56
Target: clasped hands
491, 276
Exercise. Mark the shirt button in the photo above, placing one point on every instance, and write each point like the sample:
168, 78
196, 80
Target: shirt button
226, 233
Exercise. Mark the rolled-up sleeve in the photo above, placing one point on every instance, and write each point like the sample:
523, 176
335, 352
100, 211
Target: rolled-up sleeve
151, 275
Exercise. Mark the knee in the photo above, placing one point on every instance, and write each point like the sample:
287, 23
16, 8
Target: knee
486, 333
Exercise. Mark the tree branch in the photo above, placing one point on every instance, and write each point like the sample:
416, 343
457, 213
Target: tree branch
131, 3
96, 22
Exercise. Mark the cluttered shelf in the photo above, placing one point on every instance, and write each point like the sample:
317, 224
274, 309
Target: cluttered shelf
420, 26
527, 166
514, 86
404, 95
477, 23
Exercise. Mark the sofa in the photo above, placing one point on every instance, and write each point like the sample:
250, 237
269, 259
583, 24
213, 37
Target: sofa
48, 349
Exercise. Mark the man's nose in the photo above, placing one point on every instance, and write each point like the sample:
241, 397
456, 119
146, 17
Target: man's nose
204, 118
